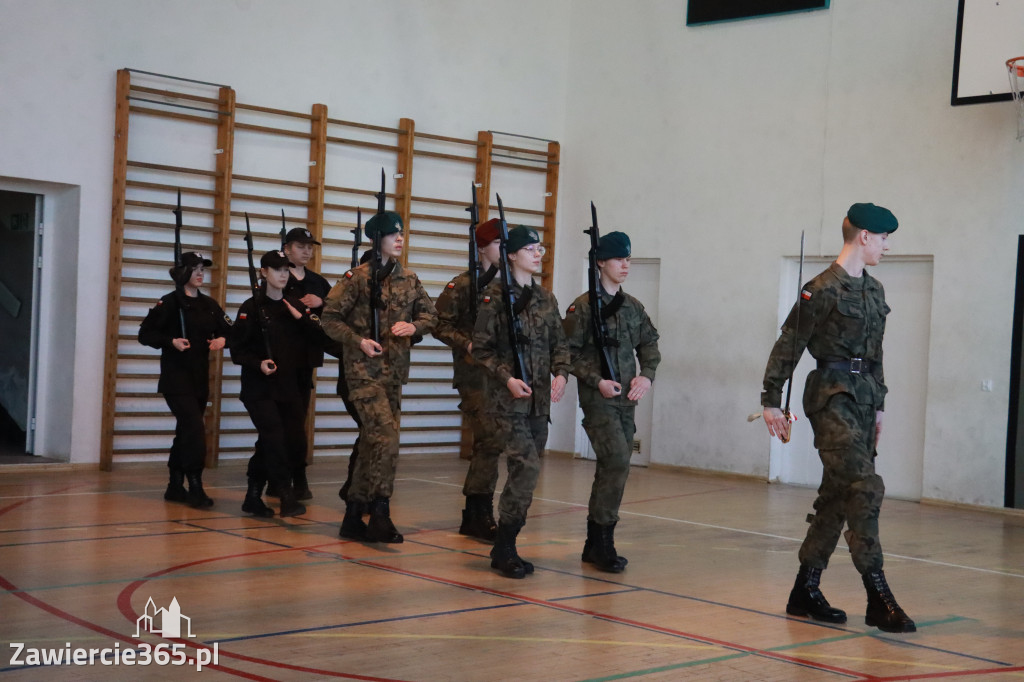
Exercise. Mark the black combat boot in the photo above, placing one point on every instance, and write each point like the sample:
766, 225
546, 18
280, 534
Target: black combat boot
290, 506
380, 528
806, 599
599, 549
176, 487
504, 556
301, 484
883, 611
197, 497
352, 526
253, 502
478, 518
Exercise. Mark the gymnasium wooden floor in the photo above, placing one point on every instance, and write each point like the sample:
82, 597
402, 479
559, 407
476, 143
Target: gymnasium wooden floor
711, 563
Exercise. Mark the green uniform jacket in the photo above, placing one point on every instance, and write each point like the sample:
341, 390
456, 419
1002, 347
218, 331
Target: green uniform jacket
455, 325
347, 319
841, 317
545, 355
631, 327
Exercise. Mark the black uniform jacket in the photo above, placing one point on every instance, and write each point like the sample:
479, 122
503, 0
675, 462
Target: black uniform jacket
184, 372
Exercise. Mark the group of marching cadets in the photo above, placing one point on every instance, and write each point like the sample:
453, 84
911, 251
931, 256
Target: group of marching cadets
512, 354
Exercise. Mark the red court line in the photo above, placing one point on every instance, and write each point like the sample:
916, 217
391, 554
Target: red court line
124, 603
38, 603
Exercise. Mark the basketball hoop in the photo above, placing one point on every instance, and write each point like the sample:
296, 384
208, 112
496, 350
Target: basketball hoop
1015, 70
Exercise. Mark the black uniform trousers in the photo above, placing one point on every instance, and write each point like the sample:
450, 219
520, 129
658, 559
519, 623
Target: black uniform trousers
188, 450
281, 425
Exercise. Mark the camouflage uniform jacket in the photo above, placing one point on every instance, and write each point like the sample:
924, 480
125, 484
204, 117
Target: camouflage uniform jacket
545, 355
347, 319
630, 326
455, 324
841, 317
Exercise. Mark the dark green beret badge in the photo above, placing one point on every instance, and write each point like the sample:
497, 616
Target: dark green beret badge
872, 218
386, 223
613, 245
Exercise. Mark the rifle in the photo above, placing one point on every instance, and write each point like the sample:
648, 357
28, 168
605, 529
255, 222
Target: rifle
515, 325
284, 230
597, 324
474, 257
257, 294
796, 334
376, 267
178, 288
358, 238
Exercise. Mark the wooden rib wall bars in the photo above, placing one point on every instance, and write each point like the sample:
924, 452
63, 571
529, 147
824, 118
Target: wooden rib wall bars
230, 158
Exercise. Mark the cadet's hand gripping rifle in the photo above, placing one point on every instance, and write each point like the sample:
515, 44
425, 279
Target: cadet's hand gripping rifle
515, 325
474, 257
598, 326
257, 294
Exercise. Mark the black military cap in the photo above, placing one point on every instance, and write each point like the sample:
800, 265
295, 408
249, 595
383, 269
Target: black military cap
274, 259
301, 235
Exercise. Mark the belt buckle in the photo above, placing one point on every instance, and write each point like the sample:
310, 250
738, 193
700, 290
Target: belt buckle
856, 365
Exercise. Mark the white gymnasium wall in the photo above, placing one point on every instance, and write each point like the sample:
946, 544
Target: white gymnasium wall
714, 146
454, 66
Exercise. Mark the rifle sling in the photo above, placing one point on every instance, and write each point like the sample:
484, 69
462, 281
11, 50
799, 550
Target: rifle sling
613, 307
486, 278
523, 301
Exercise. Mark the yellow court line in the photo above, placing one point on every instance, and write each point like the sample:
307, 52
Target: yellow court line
861, 659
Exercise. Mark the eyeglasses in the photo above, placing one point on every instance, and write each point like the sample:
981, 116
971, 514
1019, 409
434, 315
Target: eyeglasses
535, 248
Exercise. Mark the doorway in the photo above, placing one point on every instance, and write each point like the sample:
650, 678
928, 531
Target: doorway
20, 216
908, 291
1014, 490
643, 284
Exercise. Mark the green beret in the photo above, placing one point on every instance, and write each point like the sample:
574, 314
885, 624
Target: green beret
872, 218
613, 245
387, 223
520, 236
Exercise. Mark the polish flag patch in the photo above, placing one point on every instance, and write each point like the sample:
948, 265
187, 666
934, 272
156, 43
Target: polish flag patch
806, 295
348, 274
572, 308
451, 285
487, 299
242, 316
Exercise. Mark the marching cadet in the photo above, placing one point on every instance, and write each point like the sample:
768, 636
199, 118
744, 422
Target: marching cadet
518, 409
310, 289
607, 411
455, 322
269, 341
376, 370
840, 318
186, 325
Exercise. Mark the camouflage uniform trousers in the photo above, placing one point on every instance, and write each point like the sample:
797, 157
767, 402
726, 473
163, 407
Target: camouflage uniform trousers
850, 491
522, 437
482, 476
379, 408
610, 429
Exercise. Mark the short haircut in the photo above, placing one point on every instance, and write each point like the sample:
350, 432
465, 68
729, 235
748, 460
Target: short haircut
850, 231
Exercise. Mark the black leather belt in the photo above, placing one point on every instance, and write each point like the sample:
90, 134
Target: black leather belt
853, 365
